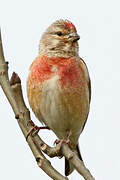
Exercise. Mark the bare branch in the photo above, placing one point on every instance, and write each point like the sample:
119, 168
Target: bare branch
13, 92
4, 81
14, 95
78, 164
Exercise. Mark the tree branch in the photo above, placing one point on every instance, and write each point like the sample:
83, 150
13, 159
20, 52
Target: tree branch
13, 92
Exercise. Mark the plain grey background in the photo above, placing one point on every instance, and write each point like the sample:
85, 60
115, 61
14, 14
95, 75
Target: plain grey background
22, 23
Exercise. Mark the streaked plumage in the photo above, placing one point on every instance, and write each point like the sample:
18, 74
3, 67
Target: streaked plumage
58, 84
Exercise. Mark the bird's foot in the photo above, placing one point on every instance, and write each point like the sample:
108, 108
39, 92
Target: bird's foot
31, 123
61, 142
35, 129
66, 141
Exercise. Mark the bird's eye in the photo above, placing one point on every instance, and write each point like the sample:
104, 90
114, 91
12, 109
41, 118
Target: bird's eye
59, 33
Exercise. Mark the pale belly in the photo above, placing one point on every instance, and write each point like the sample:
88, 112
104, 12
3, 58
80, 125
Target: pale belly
63, 110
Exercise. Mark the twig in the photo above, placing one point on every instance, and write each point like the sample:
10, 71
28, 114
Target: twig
4, 81
78, 164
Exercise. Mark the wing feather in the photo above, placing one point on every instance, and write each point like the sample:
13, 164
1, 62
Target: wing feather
87, 76
88, 83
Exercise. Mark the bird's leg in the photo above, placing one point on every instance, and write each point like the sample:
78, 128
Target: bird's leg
39, 128
35, 129
68, 137
66, 141
61, 141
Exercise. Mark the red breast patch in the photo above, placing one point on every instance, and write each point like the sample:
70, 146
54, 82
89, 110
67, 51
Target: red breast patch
70, 74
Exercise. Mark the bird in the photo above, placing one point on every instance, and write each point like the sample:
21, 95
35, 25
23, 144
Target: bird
59, 86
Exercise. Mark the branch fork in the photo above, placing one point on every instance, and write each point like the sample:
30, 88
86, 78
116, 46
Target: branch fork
13, 92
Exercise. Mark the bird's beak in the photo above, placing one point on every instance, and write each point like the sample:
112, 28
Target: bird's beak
74, 36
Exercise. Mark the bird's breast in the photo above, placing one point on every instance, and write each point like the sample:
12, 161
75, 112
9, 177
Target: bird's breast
67, 69
58, 92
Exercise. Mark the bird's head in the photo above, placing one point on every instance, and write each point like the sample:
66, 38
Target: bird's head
60, 40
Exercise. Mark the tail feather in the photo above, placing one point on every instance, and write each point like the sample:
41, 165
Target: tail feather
69, 168
78, 152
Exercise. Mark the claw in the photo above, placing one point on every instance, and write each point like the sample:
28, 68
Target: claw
31, 123
35, 129
61, 141
30, 131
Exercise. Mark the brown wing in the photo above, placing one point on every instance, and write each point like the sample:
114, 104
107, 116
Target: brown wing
88, 77
34, 92
89, 84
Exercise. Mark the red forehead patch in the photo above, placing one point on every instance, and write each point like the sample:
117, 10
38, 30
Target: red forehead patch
69, 25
